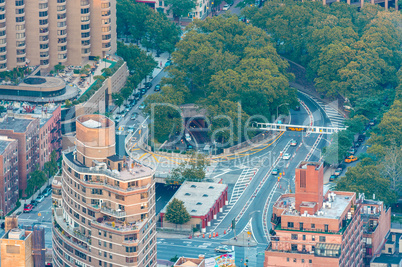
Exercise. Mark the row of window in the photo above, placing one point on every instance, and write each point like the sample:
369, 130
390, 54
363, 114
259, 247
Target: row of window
296, 237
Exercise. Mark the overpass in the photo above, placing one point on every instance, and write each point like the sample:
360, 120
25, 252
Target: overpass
297, 128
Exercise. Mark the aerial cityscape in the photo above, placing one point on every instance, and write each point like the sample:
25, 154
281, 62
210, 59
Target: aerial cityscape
202, 133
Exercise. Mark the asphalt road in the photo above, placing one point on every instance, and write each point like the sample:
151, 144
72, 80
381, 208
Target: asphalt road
44, 209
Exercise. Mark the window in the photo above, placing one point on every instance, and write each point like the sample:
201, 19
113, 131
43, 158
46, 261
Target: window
313, 238
84, 18
310, 261
304, 237
144, 195
313, 226
294, 260
44, 46
19, 3
287, 259
42, 5
20, 35
84, 10
131, 249
302, 260
302, 179
325, 227
294, 236
322, 238
19, 19
301, 226
85, 27
43, 14
290, 225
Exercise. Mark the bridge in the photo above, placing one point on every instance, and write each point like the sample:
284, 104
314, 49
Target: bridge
297, 128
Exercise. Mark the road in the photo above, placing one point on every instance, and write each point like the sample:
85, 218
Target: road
44, 209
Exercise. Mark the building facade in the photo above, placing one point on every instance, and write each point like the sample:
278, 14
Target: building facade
104, 213
203, 201
26, 131
45, 33
16, 248
315, 227
376, 226
8, 174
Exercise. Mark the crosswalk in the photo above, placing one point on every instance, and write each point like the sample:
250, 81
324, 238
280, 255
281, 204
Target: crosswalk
337, 120
241, 184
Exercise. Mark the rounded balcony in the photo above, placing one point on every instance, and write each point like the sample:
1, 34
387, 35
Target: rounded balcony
44, 57
43, 40
3, 67
86, 46
86, 30
3, 61
44, 49
2, 26
44, 63
64, 58
44, 9
4, 52
43, 31
61, 11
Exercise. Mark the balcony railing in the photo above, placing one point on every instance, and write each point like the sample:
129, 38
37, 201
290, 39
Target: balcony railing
64, 227
117, 226
112, 212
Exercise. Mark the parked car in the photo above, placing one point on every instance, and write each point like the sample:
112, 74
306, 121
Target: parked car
286, 156
47, 192
127, 109
275, 171
117, 119
28, 208
372, 122
40, 198
361, 138
223, 249
143, 91
168, 63
352, 151
351, 159
357, 144
338, 171
137, 96
226, 7
148, 85
134, 116
157, 87
293, 142
332, 177
131, 129
142, 106
34, 203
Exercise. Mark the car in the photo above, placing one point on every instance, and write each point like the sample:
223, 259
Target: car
226, 7
352, 151
168, 63
157, 88
275, 171
143, 91
131, 129
117, 119
40, 198
338, 171
297, 108
372, 123
137, 96
188, 137
134, 116
148, 85
332, 177
361, 138
142, 106
223, 249
357, 144
47, 192
351, 159
293, 142
133, 102
286, 156
34, 203
127, 109
28, 208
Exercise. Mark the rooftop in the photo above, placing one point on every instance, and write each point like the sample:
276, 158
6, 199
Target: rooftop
44, 113
390, 259
92, 124
135, 170
18, 125
4, 142
199, 197
16, 234
331, 209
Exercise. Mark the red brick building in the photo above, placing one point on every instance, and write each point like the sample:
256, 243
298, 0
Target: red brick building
203, 201
376, 226
25, 130
8, 174
315, 226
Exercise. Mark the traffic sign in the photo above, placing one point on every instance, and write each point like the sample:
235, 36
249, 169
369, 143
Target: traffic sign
39, 214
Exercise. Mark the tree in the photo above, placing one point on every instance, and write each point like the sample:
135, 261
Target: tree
176, 212
192, 170
59, 67
118, 99
366, 178
36, 179
180, 8
50, 167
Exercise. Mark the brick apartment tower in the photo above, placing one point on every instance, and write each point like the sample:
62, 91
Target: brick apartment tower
104, 212
8, 174
315, 226
48, 32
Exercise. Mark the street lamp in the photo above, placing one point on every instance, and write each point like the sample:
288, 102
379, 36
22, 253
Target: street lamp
277, 109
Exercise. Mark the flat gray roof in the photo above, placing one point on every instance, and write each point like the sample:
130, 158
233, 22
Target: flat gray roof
4, 143
199, 197
16, 124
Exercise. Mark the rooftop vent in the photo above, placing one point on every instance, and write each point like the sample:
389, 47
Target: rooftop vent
199, 203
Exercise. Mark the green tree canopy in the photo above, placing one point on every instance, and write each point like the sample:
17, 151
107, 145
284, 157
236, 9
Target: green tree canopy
176, 212
192, 170
180, 8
